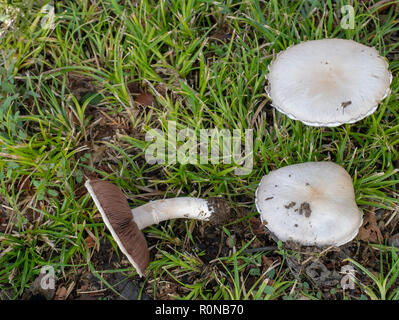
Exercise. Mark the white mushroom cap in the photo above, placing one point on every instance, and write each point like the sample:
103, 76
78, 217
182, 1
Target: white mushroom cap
312, 203
328, 82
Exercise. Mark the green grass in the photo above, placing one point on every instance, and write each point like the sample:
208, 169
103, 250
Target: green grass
170, 48
384, 283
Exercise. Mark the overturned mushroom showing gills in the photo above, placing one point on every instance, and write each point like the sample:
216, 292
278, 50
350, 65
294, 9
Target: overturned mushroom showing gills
328, 82
312, 203
125, 224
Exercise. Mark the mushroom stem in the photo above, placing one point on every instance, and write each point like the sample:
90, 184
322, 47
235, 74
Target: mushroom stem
215, 210
125, 223
160, 210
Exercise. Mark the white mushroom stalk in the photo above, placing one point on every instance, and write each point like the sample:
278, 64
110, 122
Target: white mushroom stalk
157, 211
125, 223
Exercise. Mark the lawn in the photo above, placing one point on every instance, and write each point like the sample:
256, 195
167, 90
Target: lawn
85, 83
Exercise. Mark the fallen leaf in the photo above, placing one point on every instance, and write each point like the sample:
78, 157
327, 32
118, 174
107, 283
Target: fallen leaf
146, 99
257, 226
24, 183
61, 293
369, 231
91, 243
267, 261
91, 240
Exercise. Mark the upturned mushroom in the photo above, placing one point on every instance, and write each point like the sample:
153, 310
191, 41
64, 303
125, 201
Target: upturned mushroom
328, 82
125, 224
312, 203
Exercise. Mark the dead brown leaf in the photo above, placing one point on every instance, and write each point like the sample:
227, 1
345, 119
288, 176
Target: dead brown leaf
146, 99
24, 183
267, 261
61, 293
369, 231
257, 226
91, 243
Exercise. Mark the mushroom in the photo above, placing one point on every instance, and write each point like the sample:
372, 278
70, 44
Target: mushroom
125, 224
328, 82
312, 203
